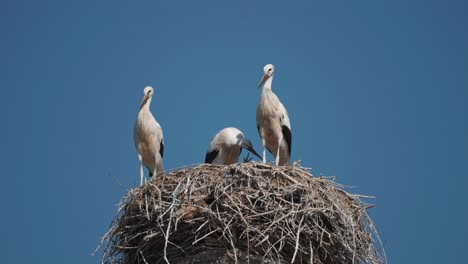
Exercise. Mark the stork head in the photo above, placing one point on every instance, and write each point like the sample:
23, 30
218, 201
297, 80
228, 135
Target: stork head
148, 91
268, 72
147, 94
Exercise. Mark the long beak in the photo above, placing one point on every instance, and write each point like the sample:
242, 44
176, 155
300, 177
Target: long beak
143, 101
248, 146
264, 78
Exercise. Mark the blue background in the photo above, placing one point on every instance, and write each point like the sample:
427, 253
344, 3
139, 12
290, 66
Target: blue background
376, 92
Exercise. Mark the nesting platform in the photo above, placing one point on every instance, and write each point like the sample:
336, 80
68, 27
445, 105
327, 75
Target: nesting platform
241, 213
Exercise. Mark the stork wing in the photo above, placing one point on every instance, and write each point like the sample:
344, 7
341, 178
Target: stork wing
285, 126
157, 131
161, 148
211, 155
284, 117
287, 136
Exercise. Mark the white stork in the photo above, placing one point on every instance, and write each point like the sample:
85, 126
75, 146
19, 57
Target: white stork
226, 147
148, 137
273, 121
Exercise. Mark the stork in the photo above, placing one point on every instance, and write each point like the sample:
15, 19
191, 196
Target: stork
226, 147
273, 121
148, 137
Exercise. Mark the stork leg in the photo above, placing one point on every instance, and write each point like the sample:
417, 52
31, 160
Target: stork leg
141, 169
278, 151
264, 153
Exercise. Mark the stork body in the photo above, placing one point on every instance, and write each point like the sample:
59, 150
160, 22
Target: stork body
148, 138
273, 122
226, 147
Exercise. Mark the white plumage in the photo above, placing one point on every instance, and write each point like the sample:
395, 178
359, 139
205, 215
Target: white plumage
148, 137
273, 122
226, 146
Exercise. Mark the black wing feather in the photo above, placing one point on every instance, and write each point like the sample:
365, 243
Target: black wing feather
161, 148
287, 136
210, 156
150, 172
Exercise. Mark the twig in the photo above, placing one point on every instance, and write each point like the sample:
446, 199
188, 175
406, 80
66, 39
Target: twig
299, 229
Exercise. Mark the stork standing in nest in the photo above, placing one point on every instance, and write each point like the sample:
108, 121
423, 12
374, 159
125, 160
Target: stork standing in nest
273, 121
226, 147
148, 137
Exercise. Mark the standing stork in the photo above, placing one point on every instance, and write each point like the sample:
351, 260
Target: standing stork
226, 147
273, 121
148, 137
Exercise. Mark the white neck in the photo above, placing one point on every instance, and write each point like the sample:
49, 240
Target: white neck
145, 106
267, 84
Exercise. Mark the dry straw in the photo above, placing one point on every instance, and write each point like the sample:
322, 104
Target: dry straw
241, 213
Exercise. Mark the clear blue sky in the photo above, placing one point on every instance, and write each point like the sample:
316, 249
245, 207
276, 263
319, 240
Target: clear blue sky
376, 92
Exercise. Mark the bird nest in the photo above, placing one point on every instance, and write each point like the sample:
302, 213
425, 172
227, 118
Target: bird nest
241, 213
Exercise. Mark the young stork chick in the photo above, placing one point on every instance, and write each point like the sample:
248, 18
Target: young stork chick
273, 121
148, 137
226, 147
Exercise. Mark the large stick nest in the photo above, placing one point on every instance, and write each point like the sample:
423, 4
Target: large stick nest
241, 213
